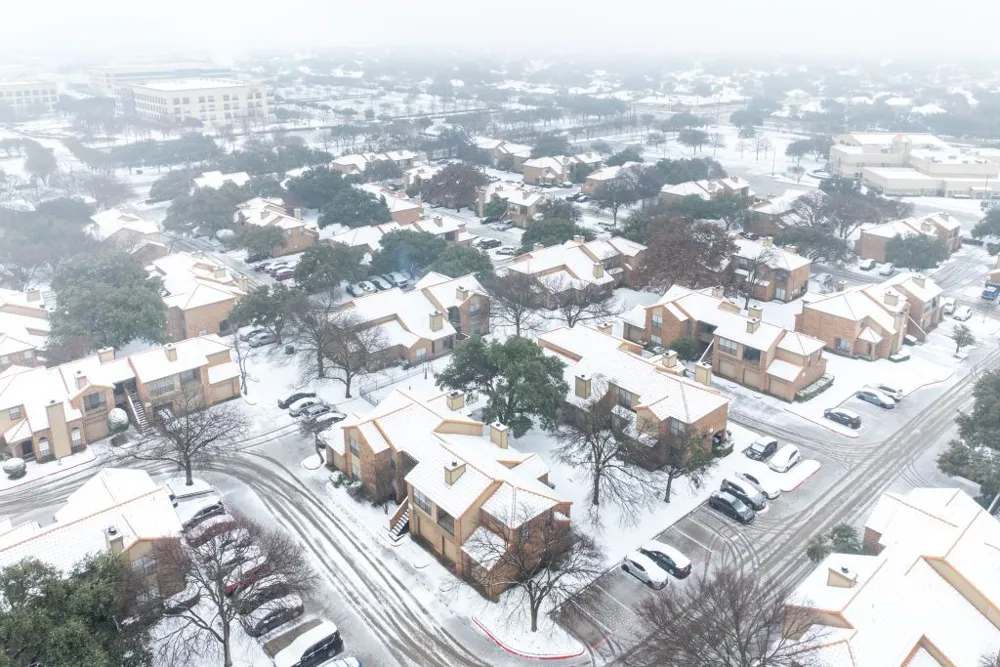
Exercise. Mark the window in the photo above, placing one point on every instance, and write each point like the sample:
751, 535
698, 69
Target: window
15, 413
201, 99
75, 436
187, 100
728, 346
657, 321
44, 448
353, 444
625, 398
421, 501
677, 427
190, 376
446, 521
94, 402
525, 532
144, 565
177, 100
421, 353
4, 361
751, 354
656, 339
225, 98
841, 345
161, 386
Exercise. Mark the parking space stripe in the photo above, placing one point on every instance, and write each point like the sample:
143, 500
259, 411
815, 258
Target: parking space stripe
617, 601
703, 546
608, 631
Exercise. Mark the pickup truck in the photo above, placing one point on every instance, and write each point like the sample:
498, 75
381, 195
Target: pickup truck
991, 291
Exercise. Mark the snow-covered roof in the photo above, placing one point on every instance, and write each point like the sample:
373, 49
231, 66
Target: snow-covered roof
686, 189
920, 287
109, 487
215, 179
193, 279
934, 584
514, 193
24, 322
105, 224
394, 201
799, 343
610, 173
600, 356
190, 354
575, 263
776, 256
929, 109
485, 547
557, 163
857, 304
784, 370
264, 212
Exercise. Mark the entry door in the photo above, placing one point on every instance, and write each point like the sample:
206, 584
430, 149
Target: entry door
779, 293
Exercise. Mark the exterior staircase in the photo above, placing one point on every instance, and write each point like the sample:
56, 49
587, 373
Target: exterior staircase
138, 413
399, 523
706, 357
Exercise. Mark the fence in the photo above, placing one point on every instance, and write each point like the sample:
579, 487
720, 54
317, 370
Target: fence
372, 384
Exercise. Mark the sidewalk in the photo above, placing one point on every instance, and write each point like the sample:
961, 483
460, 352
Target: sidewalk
37, 471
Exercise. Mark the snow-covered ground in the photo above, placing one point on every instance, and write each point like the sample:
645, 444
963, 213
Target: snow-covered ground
35, 471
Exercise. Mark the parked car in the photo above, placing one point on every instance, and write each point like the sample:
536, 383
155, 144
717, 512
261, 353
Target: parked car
962, 313
785, 459
876, 398
380, 285
355, 291
768, 488
487, 243
285, 402
761, 449
315, 413
398, 278
284, 274
184, 600
892, 392
271, 587
388, 279
296, 408
367, 286
504, 225
645, 570
246, 573
948, 305
327, 419
842, 416
583, 198
667, 557
209, 528
272, 614
991, 291
886, 269
731, 506
508, 250
745, 491
315, 644
260, 340
211, 507
247, 335
256, 257
866, 264
607, 226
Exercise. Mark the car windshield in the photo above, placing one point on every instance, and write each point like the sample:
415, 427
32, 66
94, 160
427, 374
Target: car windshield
738, 504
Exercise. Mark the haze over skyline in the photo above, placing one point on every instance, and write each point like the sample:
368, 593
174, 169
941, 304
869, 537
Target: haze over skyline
226, 28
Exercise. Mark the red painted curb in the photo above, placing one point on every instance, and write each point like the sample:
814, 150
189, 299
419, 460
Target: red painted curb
804, 480
928, 384
529, 656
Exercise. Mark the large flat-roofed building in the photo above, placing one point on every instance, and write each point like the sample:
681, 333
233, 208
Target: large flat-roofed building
108, 78
28, 96
214, 102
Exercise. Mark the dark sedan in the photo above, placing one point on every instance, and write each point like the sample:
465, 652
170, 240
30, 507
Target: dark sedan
731, 506
285, 402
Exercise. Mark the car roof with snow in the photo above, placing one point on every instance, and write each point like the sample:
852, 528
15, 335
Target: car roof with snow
645, 562
679, 559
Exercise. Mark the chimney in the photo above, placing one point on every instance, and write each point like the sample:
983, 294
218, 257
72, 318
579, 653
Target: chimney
33, 295
582, 386
669, 359
606, 327
297, 213
717, 291
841, 577
703, 373
81, 379
456, 400
537, 247
926, 226
453, 471
579, 239
244, 284
114, 539
918, 279
841, 285
755, 311
437, 321
891, 298
767, 241
499, 435
263, 213
438, 220
752, 325
461, 294
171, 351
794, 249
598, 270
219, 272
106, 354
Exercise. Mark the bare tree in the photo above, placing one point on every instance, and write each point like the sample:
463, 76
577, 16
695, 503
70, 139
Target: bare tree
989, 660
742, 145
593, 439
355, 347
192, 434
230, 572
545, 564
516, 298
312, 334
241, 350
753, 272
728, 619
678, 455
584, 303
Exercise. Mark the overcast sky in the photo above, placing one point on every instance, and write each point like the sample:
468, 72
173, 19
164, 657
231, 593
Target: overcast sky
226, 28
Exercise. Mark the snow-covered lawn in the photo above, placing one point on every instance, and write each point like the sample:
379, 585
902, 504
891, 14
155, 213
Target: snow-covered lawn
36, 471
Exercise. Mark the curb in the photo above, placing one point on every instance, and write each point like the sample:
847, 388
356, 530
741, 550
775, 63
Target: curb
852, 434
803, 480
51, 474
520, 654
928, 384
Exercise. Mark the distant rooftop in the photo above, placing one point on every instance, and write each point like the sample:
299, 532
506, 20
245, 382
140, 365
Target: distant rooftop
171, 85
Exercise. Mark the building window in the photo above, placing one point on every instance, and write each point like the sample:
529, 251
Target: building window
44, 448
94, 402
29, 355
625, 398
145, 565
446, 521
657, 321
353, 445
677, 427
525, 532
656, 340
751, 354
15, 413
421, 353
4, 361
161, 386
75, 436
421, 501
190, 376
728, 346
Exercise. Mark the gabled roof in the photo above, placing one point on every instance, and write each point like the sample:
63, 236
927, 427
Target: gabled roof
216, 179
105, 224
193, 279
777, 257
574, 264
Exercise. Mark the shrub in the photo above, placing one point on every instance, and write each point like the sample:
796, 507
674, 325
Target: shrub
15, 468
117, 420
993, 248
687, 348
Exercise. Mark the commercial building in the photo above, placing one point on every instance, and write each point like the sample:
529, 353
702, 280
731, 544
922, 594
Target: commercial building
739, 347
214, 102
578, 263
49, 413
776, 273
199, 293
108, 79
29, 97
465, 493
264, 212
924, 594
941, 226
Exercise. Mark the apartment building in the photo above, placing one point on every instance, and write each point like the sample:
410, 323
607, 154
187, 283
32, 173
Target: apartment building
418, 175
216, 179
925, 593
49, 413
773, 215
578, 263
214, 102
108, 79
733, 187
742, 348
117, 511
29, 97
547, 170
356, 164
871, 321
460, 483
24, 328
427, 321
402, 209
498, 151
651, 394
199, 293
522, 203
122, 230
604, 175
452, 230
264, 212
941, 226
776, 273
913, 164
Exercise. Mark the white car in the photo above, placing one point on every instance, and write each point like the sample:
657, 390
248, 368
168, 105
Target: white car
645, 570
886, 269
785, 459
667, 557
761, 483
866, 264
509, 250
303, 404
894, 393
948, 305
962, 313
